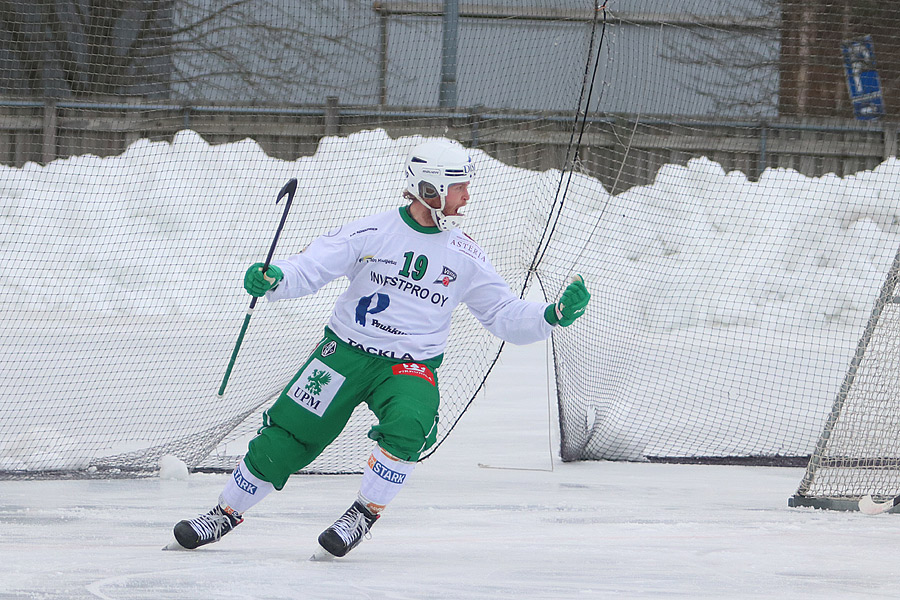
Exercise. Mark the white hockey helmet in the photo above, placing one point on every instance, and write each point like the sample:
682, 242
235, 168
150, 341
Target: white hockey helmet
431, 169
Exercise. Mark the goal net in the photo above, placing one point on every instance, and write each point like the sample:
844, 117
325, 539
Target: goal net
139, 182
857, 452
722, 174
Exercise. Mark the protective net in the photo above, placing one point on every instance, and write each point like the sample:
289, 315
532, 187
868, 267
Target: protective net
145, 147
721, 173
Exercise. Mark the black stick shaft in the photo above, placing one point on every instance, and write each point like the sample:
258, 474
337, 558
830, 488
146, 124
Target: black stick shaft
288, 190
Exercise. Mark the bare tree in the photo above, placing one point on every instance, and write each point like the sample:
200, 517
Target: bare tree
729, 56
265, 51
250, 51
78, 48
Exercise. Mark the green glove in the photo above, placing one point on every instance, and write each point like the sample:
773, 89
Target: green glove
258, 283
571, 304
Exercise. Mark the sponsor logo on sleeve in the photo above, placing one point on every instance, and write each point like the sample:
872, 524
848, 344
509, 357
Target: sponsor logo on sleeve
316, 387
414, 369
468, 247
329, 348
363, 231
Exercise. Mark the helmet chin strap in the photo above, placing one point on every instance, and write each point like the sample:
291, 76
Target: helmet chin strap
443, 222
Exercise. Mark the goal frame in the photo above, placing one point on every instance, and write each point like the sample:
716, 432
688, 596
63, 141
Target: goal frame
818, 460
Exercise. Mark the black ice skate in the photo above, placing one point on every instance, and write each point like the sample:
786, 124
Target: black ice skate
348, 531
206, 529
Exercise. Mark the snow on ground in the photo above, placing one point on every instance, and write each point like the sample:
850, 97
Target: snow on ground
526, 526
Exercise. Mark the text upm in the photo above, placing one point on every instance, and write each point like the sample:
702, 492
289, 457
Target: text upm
316, 387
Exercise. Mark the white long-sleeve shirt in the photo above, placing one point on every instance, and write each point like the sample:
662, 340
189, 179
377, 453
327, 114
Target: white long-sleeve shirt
405, 281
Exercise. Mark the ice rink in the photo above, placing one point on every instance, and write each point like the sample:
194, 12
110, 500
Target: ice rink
491, 515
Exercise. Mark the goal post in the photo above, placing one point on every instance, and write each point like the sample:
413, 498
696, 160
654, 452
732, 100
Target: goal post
858, 451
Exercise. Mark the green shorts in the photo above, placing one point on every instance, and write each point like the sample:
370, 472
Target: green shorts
316, 405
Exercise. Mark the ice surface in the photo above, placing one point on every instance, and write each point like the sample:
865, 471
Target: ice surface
542, 529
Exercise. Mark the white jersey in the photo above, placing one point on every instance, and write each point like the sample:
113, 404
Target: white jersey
405, 281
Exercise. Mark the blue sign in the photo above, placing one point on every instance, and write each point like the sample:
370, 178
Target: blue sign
862, 78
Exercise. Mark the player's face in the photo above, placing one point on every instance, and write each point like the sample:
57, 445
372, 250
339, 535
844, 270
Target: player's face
457, 196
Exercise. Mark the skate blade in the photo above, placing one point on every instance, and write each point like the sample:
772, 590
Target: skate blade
322, 555
174, 545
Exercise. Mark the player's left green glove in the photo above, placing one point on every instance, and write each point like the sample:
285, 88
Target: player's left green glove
571, 304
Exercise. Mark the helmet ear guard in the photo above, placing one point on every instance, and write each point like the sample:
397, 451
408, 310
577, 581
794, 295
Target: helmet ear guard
431, 169
427, 191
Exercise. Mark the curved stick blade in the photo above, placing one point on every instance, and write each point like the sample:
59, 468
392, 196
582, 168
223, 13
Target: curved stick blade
288, 190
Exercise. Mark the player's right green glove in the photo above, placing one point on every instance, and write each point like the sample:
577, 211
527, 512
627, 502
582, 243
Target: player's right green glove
258, 283
571, 304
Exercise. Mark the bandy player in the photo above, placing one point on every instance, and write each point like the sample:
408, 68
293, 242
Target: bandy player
408, 269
